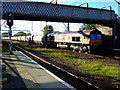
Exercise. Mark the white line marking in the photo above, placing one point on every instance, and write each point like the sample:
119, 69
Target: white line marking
60, 80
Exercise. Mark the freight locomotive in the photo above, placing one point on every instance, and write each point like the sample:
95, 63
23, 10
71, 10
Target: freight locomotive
82, 41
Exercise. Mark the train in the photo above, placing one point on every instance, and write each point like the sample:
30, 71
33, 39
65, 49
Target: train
82, 41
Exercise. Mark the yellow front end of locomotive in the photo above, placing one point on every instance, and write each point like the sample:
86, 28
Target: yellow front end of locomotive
96, 42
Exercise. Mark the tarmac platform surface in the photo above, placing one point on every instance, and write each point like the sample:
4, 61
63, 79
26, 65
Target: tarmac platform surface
23, 72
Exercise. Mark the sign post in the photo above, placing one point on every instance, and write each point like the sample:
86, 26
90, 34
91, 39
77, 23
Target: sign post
10, 23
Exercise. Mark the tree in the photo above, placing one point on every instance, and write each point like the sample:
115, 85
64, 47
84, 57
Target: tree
88, 27
22, 34
28, 34
5, 34
48, 29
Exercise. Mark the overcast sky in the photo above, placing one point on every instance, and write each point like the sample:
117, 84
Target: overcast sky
35, 27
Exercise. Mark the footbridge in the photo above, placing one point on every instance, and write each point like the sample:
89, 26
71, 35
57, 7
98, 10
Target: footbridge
39, 11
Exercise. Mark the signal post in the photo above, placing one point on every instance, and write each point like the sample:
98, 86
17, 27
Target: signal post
10, 23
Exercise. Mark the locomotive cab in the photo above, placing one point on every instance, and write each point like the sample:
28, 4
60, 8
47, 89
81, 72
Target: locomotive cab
95, 40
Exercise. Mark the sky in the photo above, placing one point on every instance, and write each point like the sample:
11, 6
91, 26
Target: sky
36, 27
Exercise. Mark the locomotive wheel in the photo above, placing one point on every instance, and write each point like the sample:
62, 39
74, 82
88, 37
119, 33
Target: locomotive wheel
73, 50
86, 50
68, 47
83, 49
80, 49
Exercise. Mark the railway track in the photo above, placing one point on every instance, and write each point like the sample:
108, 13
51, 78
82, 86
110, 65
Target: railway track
107, 54
114, 54
68, 77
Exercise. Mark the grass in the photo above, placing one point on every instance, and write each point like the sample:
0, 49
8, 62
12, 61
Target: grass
85, 66
99, 68
4, 49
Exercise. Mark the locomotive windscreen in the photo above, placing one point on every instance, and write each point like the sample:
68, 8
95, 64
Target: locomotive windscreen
92, 36
99, 36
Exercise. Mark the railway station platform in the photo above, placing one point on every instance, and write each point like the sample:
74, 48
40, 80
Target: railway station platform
23, 72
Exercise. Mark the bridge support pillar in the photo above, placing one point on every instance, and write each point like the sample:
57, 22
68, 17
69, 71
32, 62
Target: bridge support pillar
68, 28
115, 34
